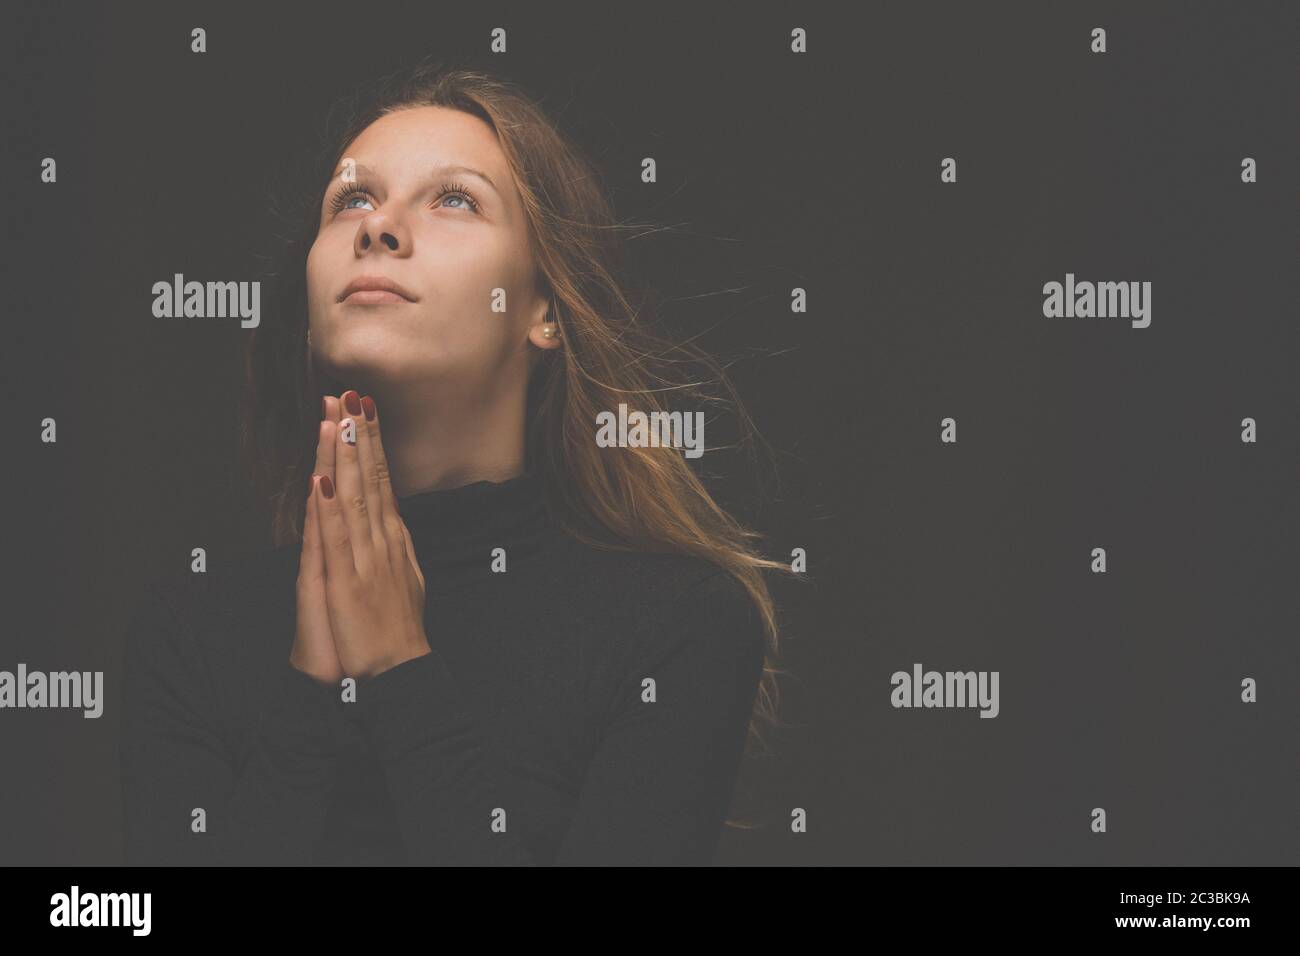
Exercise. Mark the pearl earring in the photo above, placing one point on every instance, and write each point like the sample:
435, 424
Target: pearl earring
549, 331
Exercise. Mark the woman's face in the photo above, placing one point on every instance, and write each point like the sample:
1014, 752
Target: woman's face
448, 237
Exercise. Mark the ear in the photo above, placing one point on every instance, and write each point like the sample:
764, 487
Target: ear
543, 322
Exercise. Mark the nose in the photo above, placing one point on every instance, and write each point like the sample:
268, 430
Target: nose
379, 227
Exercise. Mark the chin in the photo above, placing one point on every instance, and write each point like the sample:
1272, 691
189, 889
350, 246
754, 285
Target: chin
369, 358
362, 354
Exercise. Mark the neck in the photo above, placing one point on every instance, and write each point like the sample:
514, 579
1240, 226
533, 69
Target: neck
436, 440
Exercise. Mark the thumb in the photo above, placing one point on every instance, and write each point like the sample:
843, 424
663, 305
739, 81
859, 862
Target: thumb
410, 555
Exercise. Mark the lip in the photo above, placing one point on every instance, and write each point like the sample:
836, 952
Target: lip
375, 289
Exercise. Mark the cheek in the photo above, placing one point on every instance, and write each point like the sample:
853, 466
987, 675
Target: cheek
315, 275
474, 279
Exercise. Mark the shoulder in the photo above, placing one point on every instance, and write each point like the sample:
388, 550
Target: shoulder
716, 607
670, 603
639, 577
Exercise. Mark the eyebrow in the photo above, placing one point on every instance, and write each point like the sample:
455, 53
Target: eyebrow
440, 170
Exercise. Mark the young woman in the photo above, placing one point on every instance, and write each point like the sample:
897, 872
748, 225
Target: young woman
484, 637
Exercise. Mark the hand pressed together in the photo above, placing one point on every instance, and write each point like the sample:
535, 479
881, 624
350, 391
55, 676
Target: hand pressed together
360, 589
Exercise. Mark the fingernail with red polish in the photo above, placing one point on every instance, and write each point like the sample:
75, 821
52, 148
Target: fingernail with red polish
353, 402
326, 486
368, 404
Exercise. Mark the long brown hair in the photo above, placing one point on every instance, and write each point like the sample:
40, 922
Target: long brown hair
641, 499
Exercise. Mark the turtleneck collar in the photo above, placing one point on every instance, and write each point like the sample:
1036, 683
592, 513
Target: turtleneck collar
456, 529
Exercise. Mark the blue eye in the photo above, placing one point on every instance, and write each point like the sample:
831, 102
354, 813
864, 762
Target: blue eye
460, 192
344, 198
341, 198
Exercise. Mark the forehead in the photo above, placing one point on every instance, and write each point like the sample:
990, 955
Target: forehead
411, 141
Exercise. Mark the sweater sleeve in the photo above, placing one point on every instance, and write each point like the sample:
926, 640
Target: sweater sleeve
174, 759
659, 783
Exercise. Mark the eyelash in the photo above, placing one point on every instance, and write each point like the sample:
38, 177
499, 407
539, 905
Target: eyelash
355, 188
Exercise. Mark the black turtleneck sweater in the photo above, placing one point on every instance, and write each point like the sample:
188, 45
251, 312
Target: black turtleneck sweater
522, 739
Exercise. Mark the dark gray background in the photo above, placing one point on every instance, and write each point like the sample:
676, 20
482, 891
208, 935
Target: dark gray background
821, 171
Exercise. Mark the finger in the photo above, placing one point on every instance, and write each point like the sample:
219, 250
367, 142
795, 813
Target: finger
369, 476
330, 408
350, 494
394, 526
381, 457
335, 542
313, 558
325, 454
